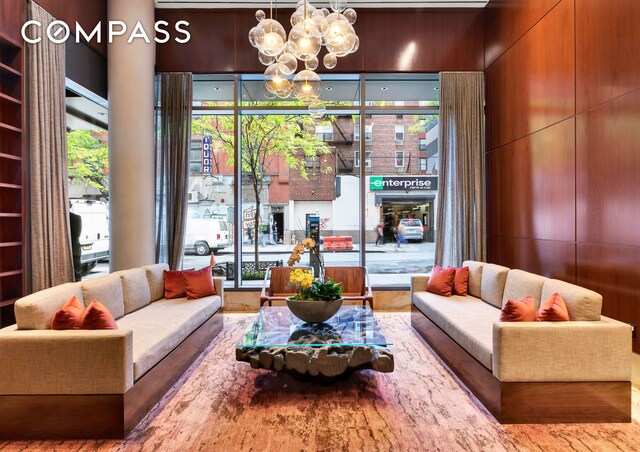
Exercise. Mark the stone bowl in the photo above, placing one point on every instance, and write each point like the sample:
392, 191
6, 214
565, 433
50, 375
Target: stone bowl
314, 311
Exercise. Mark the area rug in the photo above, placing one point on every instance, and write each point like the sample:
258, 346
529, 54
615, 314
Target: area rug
224, 405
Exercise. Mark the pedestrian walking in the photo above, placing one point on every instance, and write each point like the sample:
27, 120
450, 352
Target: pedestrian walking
380, 233
274, 232
400, 230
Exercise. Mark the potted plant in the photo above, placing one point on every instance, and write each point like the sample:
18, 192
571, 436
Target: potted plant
316, 300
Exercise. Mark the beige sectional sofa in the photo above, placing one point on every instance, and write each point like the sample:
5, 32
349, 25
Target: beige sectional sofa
529, 372
108, 378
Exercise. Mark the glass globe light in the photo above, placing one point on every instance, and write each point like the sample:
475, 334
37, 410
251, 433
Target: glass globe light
312, 63
317, 109
337, 27
356, 46
269, 95
307, 41
272, 44
330, 60
338, 5
290, 47
320, 23
256, 35
276, 82
289, 63
260, 15
274, 37
306, 86
297, 17
351, 15
325, 11
266, 59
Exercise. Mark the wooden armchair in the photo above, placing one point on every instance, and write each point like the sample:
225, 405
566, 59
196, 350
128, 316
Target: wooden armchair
275, 285
355, 283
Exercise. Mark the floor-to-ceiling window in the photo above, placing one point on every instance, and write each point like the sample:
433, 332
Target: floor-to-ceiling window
88, 169
366, 170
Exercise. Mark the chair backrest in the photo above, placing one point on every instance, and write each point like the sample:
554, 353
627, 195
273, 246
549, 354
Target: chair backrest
279, 280
353, 279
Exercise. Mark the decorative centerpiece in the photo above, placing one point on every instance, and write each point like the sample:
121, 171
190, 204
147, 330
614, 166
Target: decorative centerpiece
316, 300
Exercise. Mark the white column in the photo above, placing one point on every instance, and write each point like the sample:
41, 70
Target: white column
131, 130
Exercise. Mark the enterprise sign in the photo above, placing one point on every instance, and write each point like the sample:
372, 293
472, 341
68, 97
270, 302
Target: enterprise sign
404, 183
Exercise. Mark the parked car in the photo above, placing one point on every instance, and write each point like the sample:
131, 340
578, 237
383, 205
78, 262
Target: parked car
205, 235
94, 235
413, 229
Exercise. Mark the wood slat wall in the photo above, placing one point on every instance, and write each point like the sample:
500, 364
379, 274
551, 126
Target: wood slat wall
563, 104
393, 40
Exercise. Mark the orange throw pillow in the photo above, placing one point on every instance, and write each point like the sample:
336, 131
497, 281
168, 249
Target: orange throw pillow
98, 317
519, 311
553, 310
174, 286
199, 283
441, 281
69, 316
460, 281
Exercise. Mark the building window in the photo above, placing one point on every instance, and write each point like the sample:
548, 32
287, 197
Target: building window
195, 157
367, 159
399, 133
356, 132
423, 164
312, 164
399, 159
368, 132
423, 144
324, 133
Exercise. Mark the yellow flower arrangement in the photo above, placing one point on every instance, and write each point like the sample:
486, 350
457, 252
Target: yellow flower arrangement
307, 288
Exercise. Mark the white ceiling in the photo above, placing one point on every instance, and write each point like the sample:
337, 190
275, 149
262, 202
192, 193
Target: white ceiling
257, 4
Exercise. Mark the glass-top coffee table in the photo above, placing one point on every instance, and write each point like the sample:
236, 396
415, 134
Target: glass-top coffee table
351, 340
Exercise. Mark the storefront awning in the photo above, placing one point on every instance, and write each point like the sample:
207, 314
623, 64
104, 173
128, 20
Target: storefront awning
402, 198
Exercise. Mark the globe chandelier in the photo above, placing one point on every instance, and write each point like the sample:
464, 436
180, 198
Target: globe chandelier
311, 29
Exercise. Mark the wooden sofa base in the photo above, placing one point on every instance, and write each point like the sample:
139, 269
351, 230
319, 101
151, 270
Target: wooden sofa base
528, 403
102, 416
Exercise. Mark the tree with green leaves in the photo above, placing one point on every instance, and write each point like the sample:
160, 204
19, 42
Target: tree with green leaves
265, 139
88, 159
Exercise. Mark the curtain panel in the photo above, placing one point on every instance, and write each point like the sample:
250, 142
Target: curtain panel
174, 142
460, 219
51, 255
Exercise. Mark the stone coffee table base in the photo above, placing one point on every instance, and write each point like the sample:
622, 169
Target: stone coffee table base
329, 361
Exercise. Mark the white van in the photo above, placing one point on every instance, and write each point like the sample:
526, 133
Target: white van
94, 235
205, 235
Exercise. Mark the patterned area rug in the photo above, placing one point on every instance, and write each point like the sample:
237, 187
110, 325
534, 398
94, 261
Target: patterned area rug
224, 405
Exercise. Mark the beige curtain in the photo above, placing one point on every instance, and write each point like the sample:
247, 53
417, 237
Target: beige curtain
51, 257
460, 216
173, 164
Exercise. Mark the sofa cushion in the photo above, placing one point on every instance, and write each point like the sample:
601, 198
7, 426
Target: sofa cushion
108, 291
199, 283
161, 326
98, 317
467, 320
441, 281
519, 310
521, 284
494, 278
69, 316
475, 277
35, 311
461, 281
582, 304
135, 289
156, 280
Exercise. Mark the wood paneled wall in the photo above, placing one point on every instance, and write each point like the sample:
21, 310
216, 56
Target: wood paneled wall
563, 154
392, 40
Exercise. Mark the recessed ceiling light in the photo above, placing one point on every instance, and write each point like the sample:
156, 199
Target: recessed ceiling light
437, 88
384, 88
329, 88
102, 113
217, 88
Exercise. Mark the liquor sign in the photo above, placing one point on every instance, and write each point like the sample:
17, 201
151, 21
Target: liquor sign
403, 183
206, 155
